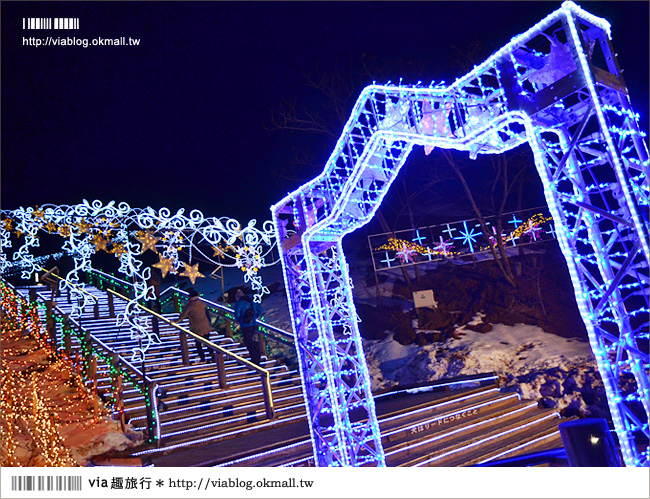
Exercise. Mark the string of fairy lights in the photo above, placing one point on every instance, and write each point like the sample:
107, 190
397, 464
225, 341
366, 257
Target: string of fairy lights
128, 233
591, 158
30, 418
397, 252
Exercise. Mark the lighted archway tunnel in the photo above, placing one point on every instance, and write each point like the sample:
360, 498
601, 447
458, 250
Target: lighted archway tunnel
557, 87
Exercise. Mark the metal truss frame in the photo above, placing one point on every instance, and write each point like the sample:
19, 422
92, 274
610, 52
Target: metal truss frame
557, 87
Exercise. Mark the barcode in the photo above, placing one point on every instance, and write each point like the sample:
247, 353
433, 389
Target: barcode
50, 23
45, 483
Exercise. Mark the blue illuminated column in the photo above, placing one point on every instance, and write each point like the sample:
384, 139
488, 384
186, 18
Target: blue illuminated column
546, 87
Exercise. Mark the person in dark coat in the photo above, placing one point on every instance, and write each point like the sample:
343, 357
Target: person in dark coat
197, 312
248, 323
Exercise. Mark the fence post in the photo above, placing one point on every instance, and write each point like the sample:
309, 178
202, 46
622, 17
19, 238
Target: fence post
229, 332
150, 404
221, 369
155, 327
50, 323
268, 398
93, 372
87, 354
184, 352
177, 304
261, 339
96, 309
119, 401
32, 295
67, 336
116, 385
111, 305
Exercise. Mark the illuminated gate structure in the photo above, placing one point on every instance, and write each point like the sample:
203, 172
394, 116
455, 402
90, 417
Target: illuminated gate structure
558, 87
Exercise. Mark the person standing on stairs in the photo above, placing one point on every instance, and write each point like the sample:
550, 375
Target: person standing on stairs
197, 312
246, 314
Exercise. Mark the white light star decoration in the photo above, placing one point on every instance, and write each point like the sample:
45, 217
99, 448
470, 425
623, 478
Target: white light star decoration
532, 230
249, 261
127, 233
443, 247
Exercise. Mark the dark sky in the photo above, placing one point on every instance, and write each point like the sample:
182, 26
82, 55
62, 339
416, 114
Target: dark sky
181, 120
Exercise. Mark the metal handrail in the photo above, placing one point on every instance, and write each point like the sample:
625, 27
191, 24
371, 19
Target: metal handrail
97, 271
265, 374
284, 336
72, 324
129, 366
226, 352
71, 284
150, 386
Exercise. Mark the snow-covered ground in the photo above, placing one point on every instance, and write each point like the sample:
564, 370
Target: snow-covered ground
561, 372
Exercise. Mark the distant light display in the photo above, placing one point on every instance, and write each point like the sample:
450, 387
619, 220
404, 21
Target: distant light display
429, 244
557, 87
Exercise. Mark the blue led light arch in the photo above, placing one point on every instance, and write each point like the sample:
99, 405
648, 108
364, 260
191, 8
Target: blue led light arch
545, 88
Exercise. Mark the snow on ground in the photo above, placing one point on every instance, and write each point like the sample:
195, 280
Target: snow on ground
561, 372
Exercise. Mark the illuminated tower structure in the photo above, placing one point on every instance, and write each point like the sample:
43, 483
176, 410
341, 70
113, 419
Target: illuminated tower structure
557, 87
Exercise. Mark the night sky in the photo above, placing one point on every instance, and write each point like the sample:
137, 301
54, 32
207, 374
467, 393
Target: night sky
182, 120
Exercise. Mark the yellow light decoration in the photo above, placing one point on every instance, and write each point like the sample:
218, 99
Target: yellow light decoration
533, 221
118, 250
8, 224
148, 241
26, 412
64, 230
51, 227
166, 265
39, 214
192, 272
400, 244
83, 226
100, 242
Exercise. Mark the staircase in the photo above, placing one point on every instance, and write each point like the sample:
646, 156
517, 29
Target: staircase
192, 407
460, 427
446, 423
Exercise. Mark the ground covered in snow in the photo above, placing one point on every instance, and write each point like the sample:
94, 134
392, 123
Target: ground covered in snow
559, 372
531, 336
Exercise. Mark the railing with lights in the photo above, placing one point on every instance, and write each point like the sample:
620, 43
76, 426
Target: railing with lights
102, 280
266, 331
92, 350
87, 353
402, 248
219, 352
79, 289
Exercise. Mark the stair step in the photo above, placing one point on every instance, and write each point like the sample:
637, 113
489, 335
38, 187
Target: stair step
473, 448
438, 425
283, 417
252, 410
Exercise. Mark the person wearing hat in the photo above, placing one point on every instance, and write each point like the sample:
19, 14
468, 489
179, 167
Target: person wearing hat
200, 325
246, 314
